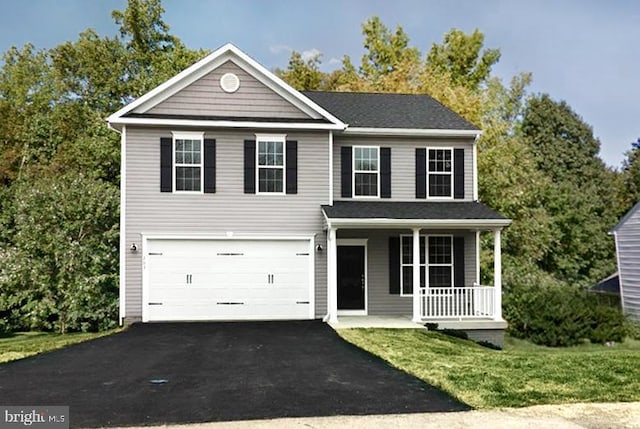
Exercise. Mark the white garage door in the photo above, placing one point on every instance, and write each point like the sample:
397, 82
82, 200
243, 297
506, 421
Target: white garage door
227, 280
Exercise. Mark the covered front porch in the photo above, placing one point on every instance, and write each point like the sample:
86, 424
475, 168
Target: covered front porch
435, 246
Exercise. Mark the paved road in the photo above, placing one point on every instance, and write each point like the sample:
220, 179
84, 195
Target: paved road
576, 416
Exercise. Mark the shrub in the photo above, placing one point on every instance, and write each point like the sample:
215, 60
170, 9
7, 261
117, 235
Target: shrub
607, 324
559, 315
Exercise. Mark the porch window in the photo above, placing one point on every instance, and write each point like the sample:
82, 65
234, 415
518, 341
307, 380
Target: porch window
366, 171
439, 173
438, 262
406, 264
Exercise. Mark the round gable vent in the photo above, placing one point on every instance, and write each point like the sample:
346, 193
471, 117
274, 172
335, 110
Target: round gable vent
229, 82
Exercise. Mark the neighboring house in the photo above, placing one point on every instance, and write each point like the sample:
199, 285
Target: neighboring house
244, 199
627, 238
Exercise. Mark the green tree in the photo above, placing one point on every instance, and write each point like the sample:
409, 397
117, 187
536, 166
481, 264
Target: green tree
59, 167
59, 270
631, 178
462, 57
303, 75
566, 151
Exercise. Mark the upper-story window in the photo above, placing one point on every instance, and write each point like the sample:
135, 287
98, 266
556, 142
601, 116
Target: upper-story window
187, 152
270, 163
440, 173
366, 171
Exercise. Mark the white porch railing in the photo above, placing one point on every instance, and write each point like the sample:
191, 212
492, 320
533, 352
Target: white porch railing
457, 302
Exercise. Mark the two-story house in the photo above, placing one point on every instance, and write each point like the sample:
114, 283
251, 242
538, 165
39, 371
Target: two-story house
244, 199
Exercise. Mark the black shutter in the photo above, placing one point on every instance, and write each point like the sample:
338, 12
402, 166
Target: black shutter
292, 167
166, 164
209, 166
458, 173
385, 172
458, 262
249, 166
394, 265
345, 172
421, 173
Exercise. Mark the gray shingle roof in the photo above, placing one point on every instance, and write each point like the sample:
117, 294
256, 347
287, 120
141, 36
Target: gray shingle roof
383, 110
409, 210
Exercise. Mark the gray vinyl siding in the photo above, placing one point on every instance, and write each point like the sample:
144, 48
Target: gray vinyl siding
628, 247
149, 211
403, 162
380, 301
205, 97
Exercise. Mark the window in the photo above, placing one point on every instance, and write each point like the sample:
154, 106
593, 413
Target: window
187, 152
366, 177
270, 164
406, 264
438, 262
439, 173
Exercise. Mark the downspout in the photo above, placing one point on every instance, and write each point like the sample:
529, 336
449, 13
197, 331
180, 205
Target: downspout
325, 318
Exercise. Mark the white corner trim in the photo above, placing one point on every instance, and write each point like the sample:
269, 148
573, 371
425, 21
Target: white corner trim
418, 132
123, 237
620, 283
330, 168
475, 168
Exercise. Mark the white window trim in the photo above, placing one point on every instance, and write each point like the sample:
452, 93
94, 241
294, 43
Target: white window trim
450, 197
354, 172
426, 263
272, 138
187, 135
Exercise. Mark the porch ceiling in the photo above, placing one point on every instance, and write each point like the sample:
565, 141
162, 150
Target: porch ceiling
443, 214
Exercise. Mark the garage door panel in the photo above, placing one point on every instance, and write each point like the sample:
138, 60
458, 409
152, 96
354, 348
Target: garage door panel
228, 279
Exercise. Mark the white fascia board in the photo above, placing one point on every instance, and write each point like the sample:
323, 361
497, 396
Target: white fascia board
418, 132
424, 223
223, 123
228, 52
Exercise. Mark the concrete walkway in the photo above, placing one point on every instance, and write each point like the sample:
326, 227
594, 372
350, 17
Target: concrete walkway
574, 416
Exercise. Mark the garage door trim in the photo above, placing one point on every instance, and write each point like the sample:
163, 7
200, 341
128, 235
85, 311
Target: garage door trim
150, 237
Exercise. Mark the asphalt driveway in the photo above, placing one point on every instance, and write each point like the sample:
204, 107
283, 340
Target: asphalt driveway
199, 372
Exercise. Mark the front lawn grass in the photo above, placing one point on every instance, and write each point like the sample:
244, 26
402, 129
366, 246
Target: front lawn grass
18, 345
522, 374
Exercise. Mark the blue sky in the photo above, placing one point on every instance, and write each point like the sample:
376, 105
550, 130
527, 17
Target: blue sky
585, 52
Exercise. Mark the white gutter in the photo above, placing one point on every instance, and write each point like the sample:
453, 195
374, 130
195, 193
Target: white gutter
221, 123
435, 223
418, 132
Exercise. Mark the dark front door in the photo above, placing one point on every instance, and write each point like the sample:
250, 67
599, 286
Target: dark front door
351, 279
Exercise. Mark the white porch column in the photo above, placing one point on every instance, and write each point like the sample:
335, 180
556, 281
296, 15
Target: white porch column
497, 274
417, 317
332, 276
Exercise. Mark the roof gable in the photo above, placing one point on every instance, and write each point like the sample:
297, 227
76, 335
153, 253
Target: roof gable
205, 97
227, 56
